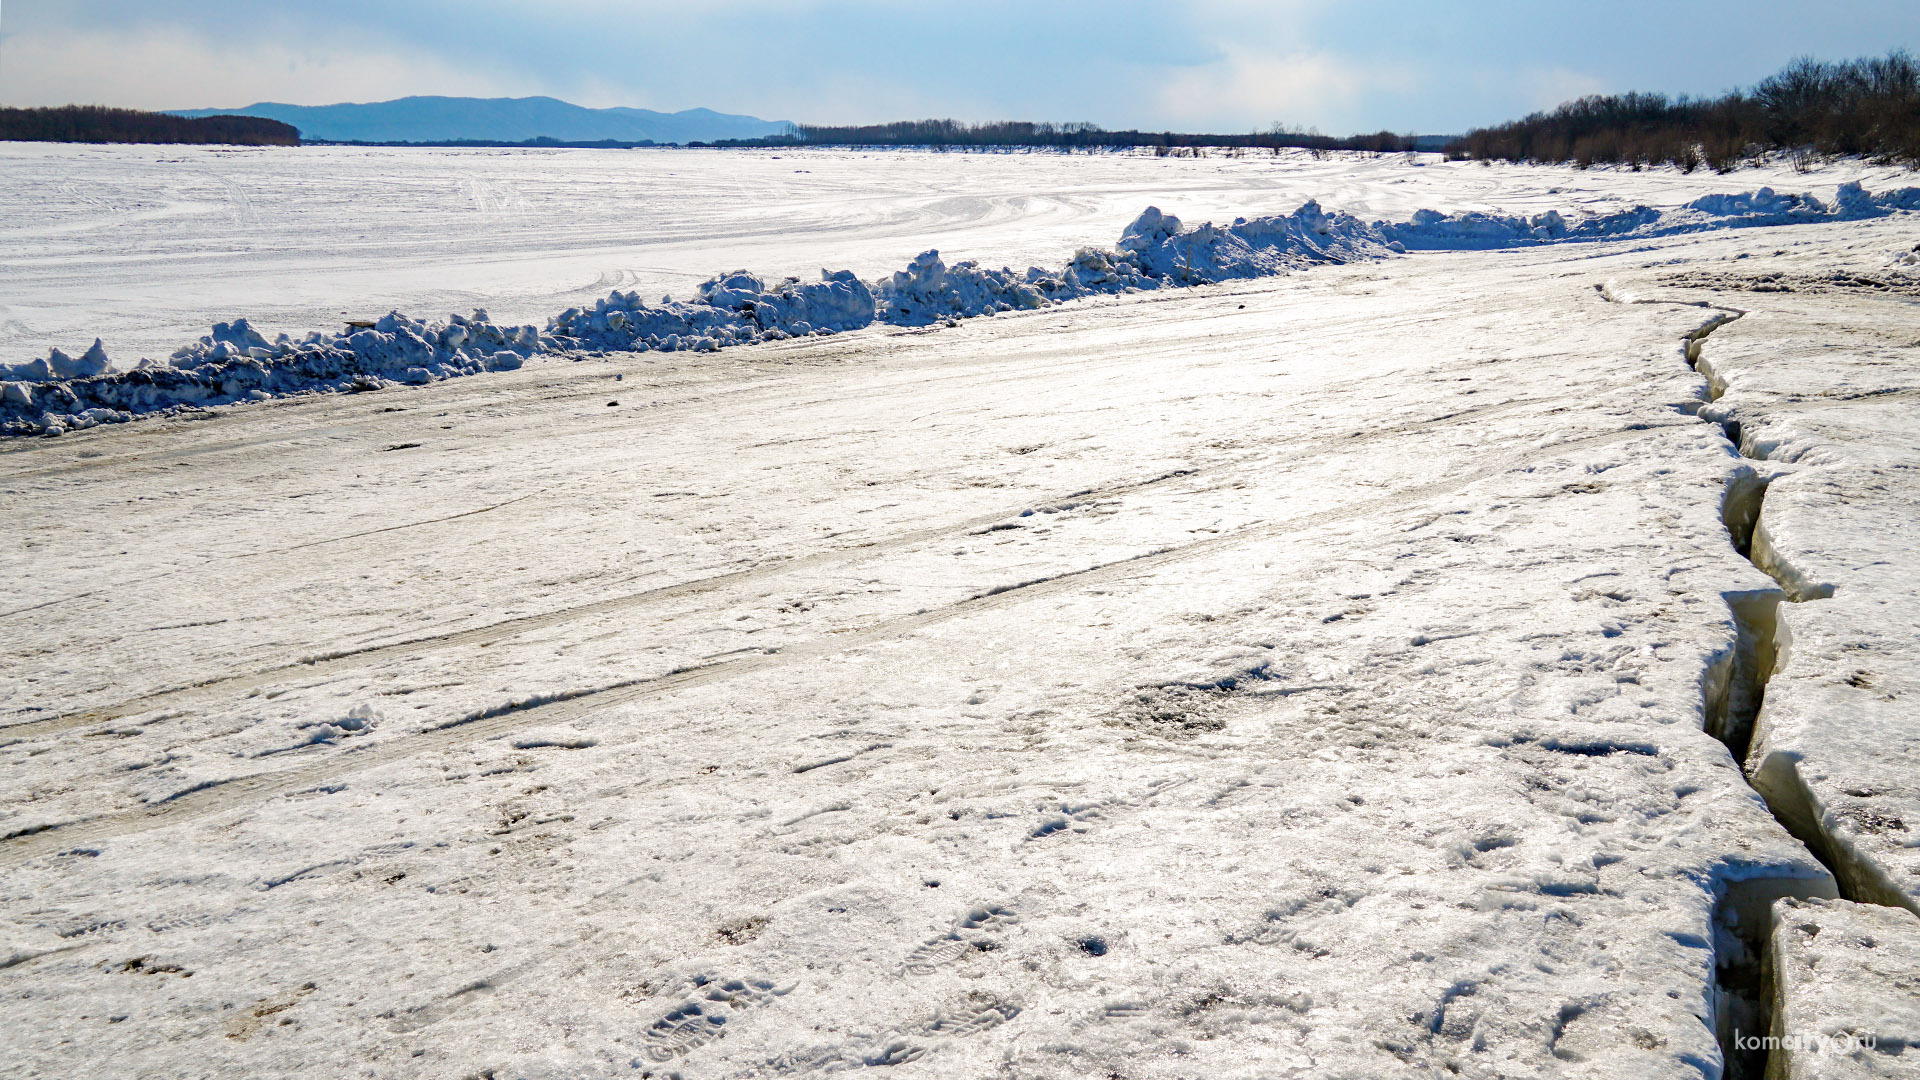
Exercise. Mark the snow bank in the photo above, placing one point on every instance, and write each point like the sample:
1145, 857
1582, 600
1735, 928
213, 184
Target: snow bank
1263, 247
236, 363
732, 309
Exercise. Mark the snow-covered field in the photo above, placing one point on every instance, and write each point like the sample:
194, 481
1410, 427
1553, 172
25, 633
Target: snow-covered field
1346, 673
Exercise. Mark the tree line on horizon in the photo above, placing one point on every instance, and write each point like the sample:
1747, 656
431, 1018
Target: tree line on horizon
955, 133
1868, 107
97, 124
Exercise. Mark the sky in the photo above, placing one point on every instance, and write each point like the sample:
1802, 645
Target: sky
1341, 66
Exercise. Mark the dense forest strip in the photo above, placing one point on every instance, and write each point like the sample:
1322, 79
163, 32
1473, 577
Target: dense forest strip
955, 133
96, 124
1869, 107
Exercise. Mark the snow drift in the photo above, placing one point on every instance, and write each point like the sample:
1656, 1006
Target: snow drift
236, 363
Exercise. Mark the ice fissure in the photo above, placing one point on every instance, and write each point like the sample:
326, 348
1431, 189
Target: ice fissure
1734, 689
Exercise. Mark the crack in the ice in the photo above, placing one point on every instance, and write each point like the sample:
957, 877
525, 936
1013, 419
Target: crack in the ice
1734, 690
1757, 617
840, 759
385, 529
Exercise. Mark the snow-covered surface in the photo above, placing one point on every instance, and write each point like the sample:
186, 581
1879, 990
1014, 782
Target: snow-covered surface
236, 363
1847, 991
146, 247
1296, 676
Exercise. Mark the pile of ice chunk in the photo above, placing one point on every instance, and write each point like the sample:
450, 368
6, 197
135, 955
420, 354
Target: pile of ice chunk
237, 363
928, 291
732, 309
61, 366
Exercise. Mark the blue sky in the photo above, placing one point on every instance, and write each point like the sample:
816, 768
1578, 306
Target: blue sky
1221, 65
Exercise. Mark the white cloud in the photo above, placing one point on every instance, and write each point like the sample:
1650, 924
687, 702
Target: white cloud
1267, 66
1547, 87
1250, 88
168, 68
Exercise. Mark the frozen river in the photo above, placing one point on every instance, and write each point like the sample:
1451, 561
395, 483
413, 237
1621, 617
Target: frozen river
146, 247
1351, 673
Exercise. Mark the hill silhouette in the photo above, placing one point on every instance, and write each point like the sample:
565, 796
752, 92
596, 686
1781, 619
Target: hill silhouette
505, 120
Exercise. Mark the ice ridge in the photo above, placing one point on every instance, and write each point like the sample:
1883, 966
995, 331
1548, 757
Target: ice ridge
236, 363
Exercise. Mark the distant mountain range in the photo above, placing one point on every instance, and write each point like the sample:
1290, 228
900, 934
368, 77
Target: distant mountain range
507, 120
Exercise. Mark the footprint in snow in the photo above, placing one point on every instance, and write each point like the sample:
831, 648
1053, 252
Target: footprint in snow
705, 1015
978, 930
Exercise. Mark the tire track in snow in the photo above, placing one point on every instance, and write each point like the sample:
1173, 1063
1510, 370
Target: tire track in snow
554, 381
283, 432
217, 796
550, 383
492, 632
324, 663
